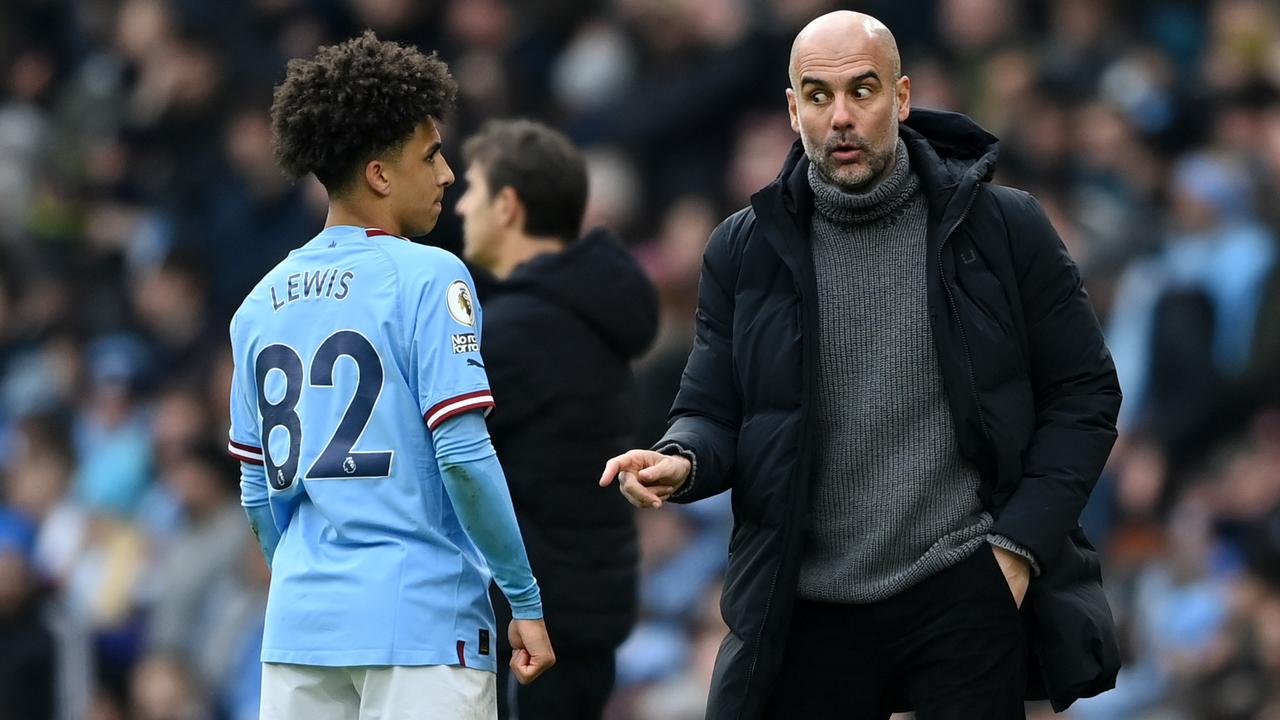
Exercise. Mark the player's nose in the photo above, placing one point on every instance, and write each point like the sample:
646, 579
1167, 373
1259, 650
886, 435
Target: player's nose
445, 177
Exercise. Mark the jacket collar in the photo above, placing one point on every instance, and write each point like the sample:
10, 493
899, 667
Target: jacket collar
952, 154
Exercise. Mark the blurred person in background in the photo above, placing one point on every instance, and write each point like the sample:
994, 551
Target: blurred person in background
28, 650
163, 687
106, 590
563, 320
1182, 608
381, 557
250, 212
180, 420
43, 355
230, 662
1217, 250
172, 305
684, 695
111, 436
898, 481
671, 261
682, 564
38, 482
203, 552
105, 584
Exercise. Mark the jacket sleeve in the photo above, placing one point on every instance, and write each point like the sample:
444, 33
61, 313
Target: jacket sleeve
707, 410
1073, 379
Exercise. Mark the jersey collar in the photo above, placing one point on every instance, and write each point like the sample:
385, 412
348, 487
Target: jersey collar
378, 232
331, 236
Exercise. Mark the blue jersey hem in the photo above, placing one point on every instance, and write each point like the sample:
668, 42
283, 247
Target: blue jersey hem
347, 658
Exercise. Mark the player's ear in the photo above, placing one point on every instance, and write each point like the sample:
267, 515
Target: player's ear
377, 177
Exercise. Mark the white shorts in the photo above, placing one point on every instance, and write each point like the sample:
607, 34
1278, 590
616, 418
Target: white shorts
396, 692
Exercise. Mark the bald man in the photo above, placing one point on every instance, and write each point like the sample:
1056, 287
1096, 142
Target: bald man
897, 372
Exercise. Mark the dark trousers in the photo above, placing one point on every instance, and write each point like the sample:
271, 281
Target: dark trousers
575, 688
953, 647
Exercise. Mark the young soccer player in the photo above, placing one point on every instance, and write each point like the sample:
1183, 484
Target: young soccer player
356, 408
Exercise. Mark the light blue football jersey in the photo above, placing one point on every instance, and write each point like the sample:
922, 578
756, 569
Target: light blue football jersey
346, 354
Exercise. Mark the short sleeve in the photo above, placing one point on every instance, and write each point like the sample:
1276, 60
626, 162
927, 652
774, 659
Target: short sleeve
445, 345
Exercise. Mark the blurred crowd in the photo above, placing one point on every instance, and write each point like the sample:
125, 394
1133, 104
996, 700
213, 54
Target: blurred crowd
139, 202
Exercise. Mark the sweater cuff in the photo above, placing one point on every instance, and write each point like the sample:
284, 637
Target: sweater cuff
671, 448
1005, 543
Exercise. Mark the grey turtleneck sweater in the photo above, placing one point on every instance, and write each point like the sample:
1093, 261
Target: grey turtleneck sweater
893, 500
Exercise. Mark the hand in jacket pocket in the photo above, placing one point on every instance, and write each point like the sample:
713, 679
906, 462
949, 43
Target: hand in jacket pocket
1017, 572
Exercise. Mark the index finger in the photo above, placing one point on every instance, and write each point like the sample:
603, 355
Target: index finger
611, 470
616, 465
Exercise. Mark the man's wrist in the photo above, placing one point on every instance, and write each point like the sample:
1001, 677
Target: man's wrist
527, 613
688, 470
1011, 556
678, 450
1013, 549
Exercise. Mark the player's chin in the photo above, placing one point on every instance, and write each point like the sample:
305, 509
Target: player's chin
425, 225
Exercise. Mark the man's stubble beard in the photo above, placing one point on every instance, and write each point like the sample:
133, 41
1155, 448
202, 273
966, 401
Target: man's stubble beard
876, 169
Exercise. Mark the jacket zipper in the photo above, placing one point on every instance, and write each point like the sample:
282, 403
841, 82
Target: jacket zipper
755, 652
955, 313
786, 529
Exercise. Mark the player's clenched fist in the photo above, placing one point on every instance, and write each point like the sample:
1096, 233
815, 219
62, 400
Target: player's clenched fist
645, 477
531, 653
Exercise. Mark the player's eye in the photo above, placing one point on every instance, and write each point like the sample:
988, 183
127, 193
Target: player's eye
862, 92
818, 96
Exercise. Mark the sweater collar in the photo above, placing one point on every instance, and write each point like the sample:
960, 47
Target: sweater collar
890, 195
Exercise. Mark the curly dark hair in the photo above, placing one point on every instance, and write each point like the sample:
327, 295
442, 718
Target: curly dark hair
353, 102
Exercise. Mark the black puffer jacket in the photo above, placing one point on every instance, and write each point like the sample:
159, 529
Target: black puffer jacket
1028, 378
559, 335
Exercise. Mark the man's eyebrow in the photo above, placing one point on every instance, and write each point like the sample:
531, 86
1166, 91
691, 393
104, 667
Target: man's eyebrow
868, 75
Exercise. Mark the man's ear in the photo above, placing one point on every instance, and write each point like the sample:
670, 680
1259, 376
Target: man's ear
792, 110
510, 209
377, 177
903, 89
